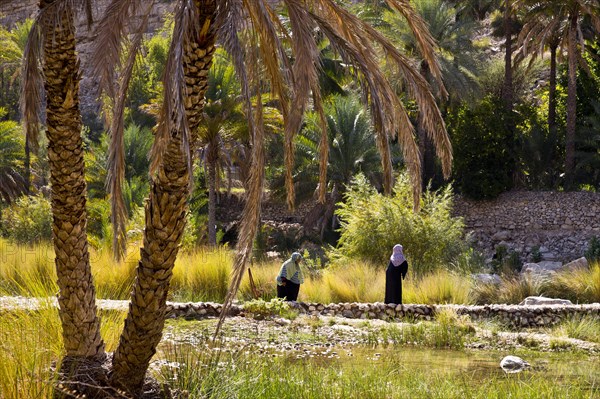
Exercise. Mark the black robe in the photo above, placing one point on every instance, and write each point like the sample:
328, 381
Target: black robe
393, 282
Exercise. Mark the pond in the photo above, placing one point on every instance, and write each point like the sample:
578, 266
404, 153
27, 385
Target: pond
263, 364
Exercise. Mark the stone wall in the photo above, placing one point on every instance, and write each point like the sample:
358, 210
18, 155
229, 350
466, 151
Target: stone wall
514, 315
560, 224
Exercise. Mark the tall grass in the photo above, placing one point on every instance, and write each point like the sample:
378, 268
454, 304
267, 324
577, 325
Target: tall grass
579, 285
512, 290
30, 342
203, 275
438, 287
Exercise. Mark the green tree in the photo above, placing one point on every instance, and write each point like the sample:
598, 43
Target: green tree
457, 55
12, 181
221, 118
563, 20
372, 224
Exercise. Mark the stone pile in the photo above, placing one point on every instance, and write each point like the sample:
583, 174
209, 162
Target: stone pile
520, 316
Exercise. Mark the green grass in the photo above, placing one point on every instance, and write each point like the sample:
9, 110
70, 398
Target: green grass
376, 375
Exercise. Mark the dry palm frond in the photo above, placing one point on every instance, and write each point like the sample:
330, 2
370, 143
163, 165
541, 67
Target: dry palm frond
116, 155
33, 85
106, 64
110, 33
306, 75
251, 214
323, 145
172, 118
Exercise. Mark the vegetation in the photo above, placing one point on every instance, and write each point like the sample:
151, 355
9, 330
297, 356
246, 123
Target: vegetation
373, 223
259, 107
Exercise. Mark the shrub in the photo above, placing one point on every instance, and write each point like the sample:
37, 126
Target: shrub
592, 254
29, 220
260, 309
372, 223
484, 158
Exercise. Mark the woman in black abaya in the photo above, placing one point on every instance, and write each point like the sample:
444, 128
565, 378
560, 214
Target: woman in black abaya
395, 273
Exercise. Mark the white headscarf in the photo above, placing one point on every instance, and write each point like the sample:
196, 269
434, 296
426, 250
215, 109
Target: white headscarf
397, 257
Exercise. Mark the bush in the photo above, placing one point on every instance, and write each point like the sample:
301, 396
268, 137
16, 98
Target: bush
484, 156
592, 254
29, 220
260, 309
371, 224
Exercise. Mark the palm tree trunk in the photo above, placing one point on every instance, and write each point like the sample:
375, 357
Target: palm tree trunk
77, 296
27, 166
166, 212
552, 91
571, 102
165, 221
211, 159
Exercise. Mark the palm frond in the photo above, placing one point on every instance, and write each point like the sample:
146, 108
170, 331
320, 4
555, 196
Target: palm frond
251, 213
110, 34
172, 116
33, 84
116, 156
306, 77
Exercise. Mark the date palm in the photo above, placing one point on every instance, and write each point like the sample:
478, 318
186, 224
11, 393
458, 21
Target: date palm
51, 43
558, 24
252, 33
456, 54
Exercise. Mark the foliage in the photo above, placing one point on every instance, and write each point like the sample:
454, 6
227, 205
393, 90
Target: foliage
12, 182
352, 149
592, 253
484, 159
260, 309
29, 220
506, 260
372, 224
12, 46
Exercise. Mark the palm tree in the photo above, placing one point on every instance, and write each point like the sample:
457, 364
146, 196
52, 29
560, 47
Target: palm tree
220, 115
558, 24
252, 42
12, 45
52, 43
12, 182
456, 54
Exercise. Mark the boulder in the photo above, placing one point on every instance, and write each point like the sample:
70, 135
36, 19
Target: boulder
543, 268
580, 263
513, 364
486, 278
540, 300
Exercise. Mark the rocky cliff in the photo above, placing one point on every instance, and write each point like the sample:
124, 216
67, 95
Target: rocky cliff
13, 11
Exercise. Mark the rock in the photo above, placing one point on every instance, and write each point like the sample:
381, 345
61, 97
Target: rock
503, 235
486, 278
540, 300
513, 364
543, 268
580, 263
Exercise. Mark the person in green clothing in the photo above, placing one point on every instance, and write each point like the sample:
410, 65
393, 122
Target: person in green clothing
290, 277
